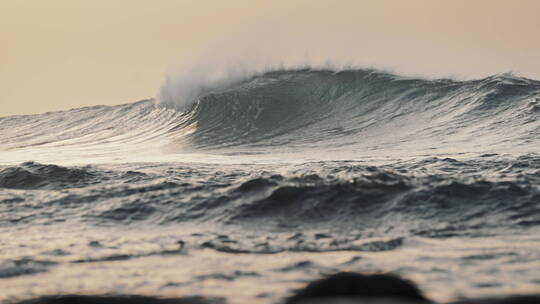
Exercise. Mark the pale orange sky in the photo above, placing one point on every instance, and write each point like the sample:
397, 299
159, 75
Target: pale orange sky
61, 54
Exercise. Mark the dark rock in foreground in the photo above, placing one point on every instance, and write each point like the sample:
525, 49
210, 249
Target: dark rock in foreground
361, 287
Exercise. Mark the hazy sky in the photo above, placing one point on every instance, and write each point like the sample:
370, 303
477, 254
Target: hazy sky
61, 54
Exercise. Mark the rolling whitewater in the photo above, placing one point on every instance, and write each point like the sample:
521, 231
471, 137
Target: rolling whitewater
243, 190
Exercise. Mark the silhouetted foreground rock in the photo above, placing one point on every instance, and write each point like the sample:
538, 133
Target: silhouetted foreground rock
341, 288
359, 286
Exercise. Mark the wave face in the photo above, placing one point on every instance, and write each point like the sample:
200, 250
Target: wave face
363, 110
354, 112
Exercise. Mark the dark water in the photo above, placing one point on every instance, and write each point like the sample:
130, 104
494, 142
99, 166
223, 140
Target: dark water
261, 185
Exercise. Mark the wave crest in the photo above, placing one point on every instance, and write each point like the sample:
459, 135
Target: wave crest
365, 110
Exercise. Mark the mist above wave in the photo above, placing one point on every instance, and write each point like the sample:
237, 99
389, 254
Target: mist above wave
187, 83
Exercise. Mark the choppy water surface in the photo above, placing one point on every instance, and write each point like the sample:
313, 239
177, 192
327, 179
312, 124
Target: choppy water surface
273, 181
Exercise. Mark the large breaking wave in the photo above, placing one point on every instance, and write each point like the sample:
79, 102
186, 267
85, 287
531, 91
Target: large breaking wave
351, 111
367, 110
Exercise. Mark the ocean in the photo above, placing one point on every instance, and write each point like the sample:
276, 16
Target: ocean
257, 186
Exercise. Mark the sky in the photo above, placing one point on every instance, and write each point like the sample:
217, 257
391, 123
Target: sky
63, 54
